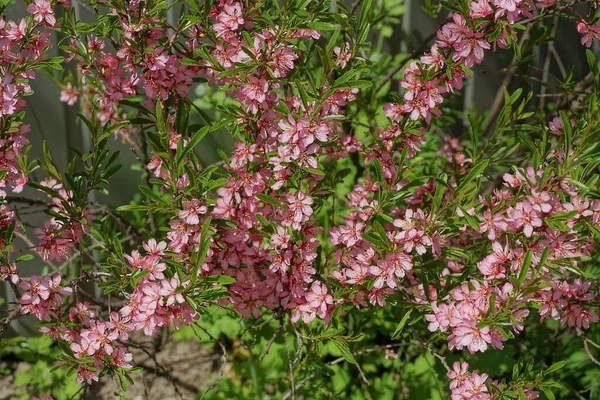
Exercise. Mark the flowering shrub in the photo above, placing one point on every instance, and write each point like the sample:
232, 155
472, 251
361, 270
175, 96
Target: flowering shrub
348, 218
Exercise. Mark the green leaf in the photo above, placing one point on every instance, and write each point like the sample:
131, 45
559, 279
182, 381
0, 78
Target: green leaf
526, 266
548, 394
401, 325
270, 200
198, 136
151, 195
24, 257
474, 173
450, 6
322, 26
344, 349
189, 61
219, 279
555, 367
591, 59
470, 219
133, 207
364, 12
359, 84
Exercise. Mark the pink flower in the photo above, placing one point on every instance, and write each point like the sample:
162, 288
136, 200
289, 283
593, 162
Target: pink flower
42, 12
394, 266
526, 217
36, 290
343, 55
469, 336
440, 319
507, 5
9, 272
480, 9
191, 211
281, 238
87, 375
299, 208
319, 302
254, 94
170, 290
229, 20
589, 33
99, 338
122, 358
458, 374
471, 49
155, 249
69, 94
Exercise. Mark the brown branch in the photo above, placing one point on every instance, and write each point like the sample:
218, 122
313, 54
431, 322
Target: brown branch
587, 348
270, 342
223, 364
403, 63
4, 322
27, 200
510, 72
293, 389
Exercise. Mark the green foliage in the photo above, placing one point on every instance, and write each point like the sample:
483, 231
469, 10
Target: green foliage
34, 375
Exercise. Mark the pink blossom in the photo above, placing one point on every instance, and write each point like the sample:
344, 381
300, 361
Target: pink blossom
589, 33
471, 49
42, 12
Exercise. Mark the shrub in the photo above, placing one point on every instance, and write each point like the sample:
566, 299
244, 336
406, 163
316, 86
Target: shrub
359, 241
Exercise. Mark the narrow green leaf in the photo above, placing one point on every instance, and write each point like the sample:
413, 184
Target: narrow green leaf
270, 200
526, 266
344, 349
555, 367
474, 173
401, 325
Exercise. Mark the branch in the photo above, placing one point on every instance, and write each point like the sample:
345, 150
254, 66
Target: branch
223, 364
293, 389
403, 63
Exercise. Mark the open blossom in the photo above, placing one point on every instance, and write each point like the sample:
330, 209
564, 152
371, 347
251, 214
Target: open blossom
8, 99
526, 217
254, 94
319, 302
469, 336
9, 273
192, 210
69, 94
87, 375
589, 33
229, 20
299, 208
42, 12
471, 49
387, 271
440, 319
343, 55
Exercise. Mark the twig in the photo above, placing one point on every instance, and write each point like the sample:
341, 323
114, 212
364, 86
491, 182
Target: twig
497, 104
270, 342
409, 58
288, 393
32, 246
26, 200
4, 322
588, 352
162, 371
224, 363
290, 362
546, 68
